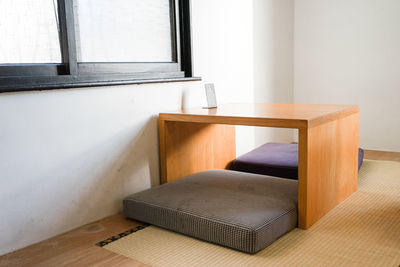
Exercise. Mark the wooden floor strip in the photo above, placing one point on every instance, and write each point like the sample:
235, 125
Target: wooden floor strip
76, 248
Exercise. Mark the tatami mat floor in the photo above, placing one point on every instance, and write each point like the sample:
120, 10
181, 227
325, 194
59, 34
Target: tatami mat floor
364, 230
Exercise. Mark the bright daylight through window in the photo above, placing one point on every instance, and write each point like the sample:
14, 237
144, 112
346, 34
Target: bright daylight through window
48, 44
29, 32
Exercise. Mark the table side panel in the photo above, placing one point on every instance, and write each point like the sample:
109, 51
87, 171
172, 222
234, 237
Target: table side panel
189, 148
328, 156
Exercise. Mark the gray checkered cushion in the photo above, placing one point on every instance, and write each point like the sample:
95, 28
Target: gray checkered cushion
239, 210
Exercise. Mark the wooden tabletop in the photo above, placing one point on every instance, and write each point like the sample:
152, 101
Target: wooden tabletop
264, 114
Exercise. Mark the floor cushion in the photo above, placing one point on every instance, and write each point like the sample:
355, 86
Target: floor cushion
275, 159
243, 211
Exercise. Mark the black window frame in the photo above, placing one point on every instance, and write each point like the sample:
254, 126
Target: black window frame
71, 73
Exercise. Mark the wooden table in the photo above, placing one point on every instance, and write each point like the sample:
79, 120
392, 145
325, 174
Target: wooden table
197, 139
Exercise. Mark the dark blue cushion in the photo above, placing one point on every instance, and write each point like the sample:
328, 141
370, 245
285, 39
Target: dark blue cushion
275, 159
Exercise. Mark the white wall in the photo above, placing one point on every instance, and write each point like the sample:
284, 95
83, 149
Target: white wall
273, 60
347, 52
223, 45
69, 157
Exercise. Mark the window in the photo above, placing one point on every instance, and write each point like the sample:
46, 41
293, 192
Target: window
144, 31
49, 44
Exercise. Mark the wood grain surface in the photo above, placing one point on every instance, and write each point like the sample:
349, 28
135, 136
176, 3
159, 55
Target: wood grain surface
196, 139
189, 148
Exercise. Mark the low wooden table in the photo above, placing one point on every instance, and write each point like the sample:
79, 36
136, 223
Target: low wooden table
193, 140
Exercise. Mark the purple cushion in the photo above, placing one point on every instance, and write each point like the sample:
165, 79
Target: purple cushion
275, 159
360, 157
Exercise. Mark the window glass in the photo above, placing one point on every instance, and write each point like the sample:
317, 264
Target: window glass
123, 30
29, 32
